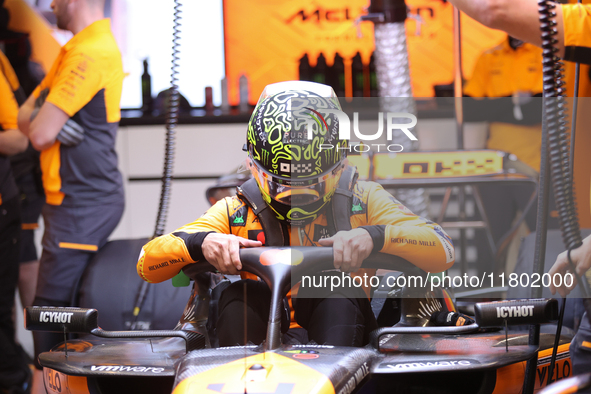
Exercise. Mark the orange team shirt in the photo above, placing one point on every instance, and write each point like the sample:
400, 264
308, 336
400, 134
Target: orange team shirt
85, 82
502, 72
407, 235
577, 32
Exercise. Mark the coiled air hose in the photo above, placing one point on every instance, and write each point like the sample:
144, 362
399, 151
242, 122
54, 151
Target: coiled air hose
557, 141
555, 110
172, 116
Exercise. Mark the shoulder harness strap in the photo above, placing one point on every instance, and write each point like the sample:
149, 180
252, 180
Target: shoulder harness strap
339, 211
275, 233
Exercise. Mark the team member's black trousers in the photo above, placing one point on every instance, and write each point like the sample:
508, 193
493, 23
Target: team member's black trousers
342, 317
12, 369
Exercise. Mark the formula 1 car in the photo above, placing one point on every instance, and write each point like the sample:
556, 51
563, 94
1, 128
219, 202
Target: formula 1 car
411, 357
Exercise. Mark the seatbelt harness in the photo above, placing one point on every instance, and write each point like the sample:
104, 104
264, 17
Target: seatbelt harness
276, 234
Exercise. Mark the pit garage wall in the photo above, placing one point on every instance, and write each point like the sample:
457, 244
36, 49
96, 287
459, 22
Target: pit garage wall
201, 151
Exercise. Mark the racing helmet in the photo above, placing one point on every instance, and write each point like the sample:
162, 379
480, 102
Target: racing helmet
294, 150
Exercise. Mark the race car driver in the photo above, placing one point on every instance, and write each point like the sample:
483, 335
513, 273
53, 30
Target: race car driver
297, 181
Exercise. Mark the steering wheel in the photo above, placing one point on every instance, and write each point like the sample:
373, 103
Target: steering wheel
279, 267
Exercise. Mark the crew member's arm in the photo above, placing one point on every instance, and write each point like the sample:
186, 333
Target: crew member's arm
43, 129
519, 18
79, 79
206, 238
12, 141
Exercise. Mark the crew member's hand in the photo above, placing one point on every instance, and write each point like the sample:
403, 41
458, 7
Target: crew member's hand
221, 251
350, 248
581, 258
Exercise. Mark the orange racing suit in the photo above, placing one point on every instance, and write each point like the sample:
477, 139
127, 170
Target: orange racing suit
398, 232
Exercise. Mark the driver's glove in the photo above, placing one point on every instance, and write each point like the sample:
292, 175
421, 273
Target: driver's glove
441, 318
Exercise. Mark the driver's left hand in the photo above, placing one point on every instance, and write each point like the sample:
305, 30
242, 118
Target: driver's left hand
350, 248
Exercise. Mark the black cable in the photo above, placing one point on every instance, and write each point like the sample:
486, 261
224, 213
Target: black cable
171, 123
558, 149
556, 342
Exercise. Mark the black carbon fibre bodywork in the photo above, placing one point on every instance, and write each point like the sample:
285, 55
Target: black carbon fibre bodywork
405, 362
116, 357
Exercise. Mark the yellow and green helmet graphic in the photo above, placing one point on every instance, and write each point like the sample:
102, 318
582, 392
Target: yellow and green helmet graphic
293, 143
286, 132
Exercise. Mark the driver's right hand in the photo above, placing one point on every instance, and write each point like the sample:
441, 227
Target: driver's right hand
221, 251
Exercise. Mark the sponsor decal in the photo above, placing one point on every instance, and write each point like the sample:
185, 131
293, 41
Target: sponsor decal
447, 243
321, 14
447, 164
166, 264
355, 380
560, 371
158, 266
55, 381
240, 217
358, 207
312, 346
403, 241
427, 243
55, 317
256, 235
125, 368
320, 232
237, 347
303, 354
428, 364
515, 311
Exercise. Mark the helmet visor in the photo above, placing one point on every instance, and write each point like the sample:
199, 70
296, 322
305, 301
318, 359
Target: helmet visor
298, 192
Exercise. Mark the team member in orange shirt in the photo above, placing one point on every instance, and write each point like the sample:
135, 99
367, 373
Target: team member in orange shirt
503, 90
14, 374
72, 118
